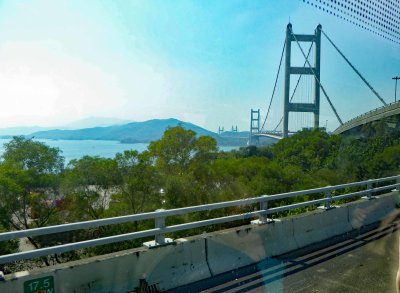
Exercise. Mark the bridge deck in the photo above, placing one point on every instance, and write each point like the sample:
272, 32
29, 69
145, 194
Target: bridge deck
272, 134
373, 115
275, 135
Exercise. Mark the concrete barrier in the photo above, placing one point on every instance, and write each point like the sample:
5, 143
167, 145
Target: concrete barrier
371, 211
162, 268
279, 237
234, 248
203, 256
320, 225
246, 245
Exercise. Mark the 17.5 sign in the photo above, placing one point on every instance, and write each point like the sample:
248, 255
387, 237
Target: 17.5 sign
41, 285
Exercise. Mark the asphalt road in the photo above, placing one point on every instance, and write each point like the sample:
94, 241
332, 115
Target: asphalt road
365, 262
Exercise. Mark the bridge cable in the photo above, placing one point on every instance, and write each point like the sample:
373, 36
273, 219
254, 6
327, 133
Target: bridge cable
276, 81
355, 70
317, 79
297, 84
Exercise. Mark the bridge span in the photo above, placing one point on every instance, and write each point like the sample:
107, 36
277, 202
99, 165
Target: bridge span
386, 113
191, 263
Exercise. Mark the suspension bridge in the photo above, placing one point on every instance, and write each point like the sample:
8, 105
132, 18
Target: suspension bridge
302, 95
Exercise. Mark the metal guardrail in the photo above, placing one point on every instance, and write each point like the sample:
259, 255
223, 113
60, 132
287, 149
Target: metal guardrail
160, 215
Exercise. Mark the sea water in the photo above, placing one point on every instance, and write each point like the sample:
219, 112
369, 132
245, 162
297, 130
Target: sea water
75, 149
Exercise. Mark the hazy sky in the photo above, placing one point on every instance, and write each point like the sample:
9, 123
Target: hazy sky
206, 62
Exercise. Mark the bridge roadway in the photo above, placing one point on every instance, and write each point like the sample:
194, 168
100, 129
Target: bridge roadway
272, 134
351, 126
384, 112
366, 261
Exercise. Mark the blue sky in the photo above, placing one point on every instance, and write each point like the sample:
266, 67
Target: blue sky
207, 62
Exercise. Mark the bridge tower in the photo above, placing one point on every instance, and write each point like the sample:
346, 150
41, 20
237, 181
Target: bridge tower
289, 70
254, 127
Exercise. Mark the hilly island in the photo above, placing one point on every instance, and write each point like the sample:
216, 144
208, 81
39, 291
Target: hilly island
140, 132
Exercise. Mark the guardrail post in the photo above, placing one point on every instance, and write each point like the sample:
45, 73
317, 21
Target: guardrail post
369, 187
262, 217
328, 195
369, 190
160, 223
263, 207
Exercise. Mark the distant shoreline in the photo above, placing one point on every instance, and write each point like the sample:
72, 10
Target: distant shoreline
234, 142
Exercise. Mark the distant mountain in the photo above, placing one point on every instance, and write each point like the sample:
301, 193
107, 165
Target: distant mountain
93, 122
132, 132
79, 124
23, 130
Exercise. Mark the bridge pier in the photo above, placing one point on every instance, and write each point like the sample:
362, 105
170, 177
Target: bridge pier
290, 70
254, 127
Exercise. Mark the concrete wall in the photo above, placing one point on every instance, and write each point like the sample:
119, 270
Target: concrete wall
200, 257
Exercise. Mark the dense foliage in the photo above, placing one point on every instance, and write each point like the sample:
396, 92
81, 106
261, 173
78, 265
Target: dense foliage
180, 169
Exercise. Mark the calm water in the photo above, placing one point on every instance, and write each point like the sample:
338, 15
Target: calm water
75, 149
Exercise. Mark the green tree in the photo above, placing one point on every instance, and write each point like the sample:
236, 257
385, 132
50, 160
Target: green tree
307, 149
30, 172
88, 185
139, 190
174, 151
29, 185
183, 161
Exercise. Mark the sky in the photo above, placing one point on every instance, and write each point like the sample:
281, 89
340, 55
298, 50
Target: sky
205, 62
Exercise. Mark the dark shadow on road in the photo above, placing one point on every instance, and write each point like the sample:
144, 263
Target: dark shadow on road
274, 269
